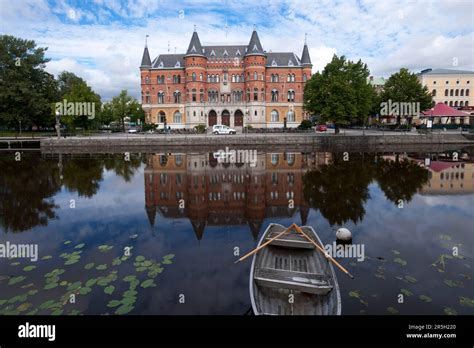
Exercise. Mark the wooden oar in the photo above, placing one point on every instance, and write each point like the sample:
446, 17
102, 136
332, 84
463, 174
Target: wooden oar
300, 231
266, 243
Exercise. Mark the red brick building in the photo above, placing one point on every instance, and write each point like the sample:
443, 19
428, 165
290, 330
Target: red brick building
235, 85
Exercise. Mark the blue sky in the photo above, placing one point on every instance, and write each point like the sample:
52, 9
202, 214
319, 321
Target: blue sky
102, 40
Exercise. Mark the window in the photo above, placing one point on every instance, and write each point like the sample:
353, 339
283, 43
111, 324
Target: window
467, 92
162, 117
293, 78
304, 77
291, 95
201, 95
288, 78
217, 78
147, 80
456, 93
176, 79
255, 76
275, 158
177, 118
160, 79
291, 116
255, 94
272, 78
461, 93
433, 93
177, 97
451, 103
461, 103
456, 103
200, 77
233, 78
274, 116
466, 103
147, 98
247, 95
274, 96
446, 92
194, 76
274, 177
451, 92
161, 97
193, 95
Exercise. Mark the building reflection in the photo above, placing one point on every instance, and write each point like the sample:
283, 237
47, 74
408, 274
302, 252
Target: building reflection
449, 177
210, 193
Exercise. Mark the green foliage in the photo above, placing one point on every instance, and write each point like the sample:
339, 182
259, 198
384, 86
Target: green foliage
305, 124
341, 93
26, 90
200, 128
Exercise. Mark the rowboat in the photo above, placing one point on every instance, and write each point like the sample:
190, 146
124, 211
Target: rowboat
291, 277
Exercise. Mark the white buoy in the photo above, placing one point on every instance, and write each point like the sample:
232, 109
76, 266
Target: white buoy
344, 235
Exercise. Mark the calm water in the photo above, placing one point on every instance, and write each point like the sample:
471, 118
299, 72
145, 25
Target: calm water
85, 212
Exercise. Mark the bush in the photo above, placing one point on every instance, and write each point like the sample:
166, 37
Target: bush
305, 124
148, 126
200, 128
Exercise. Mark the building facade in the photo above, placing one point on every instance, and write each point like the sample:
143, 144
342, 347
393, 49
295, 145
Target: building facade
234, 85
449, 86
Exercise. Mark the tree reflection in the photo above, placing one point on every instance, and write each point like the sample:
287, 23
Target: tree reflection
83, 176
26, 191
123, 168
339, 190
400, 179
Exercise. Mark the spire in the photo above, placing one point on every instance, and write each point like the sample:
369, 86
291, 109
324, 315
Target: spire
195, 47
146, 61
151, 212
305, 59
254, 47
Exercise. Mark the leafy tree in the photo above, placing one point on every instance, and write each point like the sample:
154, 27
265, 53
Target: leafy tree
404, 87
106, 114
26, 90
340, 93
122, 106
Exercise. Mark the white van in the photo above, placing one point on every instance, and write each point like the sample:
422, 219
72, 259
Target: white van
222, 129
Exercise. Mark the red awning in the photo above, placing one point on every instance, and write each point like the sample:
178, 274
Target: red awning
443, 110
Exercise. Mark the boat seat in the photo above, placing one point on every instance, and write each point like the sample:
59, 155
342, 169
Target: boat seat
312, 283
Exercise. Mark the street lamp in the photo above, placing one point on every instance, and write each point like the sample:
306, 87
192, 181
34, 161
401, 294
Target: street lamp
58, 124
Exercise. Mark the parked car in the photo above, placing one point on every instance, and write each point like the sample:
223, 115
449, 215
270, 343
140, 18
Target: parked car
222, 129
132, 131
321, 128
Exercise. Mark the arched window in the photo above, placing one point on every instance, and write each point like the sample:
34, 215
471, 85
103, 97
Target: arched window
200, 77
446, 92
161, 97
255, 94
456, 93
208, 78
451, 92
272, 78
304, 77
467, 92
461, 93
194, 76
274, 96
177, 97
461, 103
233, 78
288, 78
161, 117
275, 158
193, 97
217, 78
291, 116
456, 103
290, 159
255, 75
237, 78
277, 78
177, 118
451, 103
274, 116
147, 98
248, 95
291, 95
293, 78
263, 94
433, 93
466, 103
201, 95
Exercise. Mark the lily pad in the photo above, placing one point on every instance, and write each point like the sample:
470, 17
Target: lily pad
140, 258
101, 267
79, 246
411, 279
16, 280
124, 309
32, 292
392, 310
29, 268
128, 300
450, 311
133, 236
91, 282
74, 286
48, 304
396, 252
85, 290
50, 286
57, 311
454, 283
113, 303
406, 292
89, 266
104, 248
24, 306
444, 237
466, 301
109, 290
14, 263
67, 242
148, 283
400, 261
425, 298
116, 262
46, 257
355, 293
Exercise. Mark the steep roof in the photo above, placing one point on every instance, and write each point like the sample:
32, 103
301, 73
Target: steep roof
305, 59
146, 61
169, 61
254, 46
222, 51
282, 59
195, 47
441, 109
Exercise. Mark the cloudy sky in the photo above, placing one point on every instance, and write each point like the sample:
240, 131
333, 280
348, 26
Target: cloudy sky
102, 40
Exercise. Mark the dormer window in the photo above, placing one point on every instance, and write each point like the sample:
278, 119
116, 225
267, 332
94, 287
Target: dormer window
290, 63
255, 49
225, 53
160, 65
238, 53
178, 64
193, 49
213, 53
274, 63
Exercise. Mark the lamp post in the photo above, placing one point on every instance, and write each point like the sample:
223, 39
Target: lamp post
58, 124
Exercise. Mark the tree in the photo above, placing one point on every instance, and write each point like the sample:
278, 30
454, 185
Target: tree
122, 106
404, 87
26, 90
74, 89
340, 93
